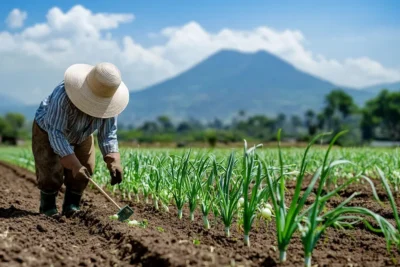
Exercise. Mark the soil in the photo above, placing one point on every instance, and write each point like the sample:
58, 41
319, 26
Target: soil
92, 239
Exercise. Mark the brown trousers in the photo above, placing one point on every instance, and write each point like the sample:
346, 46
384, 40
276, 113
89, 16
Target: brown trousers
50, 173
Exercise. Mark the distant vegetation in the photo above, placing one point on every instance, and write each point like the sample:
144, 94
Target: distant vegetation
378, 120
12, 128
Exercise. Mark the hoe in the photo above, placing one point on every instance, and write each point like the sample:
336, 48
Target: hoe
124, 213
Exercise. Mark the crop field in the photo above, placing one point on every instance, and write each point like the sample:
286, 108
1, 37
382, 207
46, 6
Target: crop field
311, 206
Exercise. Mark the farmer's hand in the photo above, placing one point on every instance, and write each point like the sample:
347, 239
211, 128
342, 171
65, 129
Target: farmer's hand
82, 174
79, 172
113, 161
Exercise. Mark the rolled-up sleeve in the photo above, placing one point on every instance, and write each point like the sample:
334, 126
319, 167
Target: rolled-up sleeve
56, 122
107, 136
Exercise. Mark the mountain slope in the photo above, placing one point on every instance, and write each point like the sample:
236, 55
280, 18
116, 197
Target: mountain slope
229, 81
8, 103
389, 86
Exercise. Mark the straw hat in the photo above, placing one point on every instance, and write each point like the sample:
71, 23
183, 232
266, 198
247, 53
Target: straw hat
96, 90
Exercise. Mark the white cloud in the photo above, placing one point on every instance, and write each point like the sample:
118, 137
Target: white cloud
16, 18
37, 56
191, 43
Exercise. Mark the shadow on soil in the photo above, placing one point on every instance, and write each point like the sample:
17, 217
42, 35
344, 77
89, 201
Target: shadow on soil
13, 212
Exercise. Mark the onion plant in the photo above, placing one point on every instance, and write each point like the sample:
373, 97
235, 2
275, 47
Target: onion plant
393, 205
251, 172
342, 216
207, 194
316, 222
101, 174
145, 188
193, 188
392, 165
166, 196
179, 173
313, 221
156, 179
26, 160
287, 221
193, 183
135, 173
229, 192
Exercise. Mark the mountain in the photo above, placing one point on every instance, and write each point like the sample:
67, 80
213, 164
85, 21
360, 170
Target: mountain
10, 104
8, 101
229, 81
389, 86
223, 84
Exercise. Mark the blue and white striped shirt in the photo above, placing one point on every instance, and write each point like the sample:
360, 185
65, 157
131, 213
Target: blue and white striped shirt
66, 125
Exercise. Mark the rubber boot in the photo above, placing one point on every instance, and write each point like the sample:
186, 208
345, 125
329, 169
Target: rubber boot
71, 203
48, 205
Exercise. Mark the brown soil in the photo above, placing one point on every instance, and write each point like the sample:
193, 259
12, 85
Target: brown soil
91, 239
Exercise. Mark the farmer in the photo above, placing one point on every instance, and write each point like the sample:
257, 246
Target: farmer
88, 100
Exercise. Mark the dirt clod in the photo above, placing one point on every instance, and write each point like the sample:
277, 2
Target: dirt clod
41, 228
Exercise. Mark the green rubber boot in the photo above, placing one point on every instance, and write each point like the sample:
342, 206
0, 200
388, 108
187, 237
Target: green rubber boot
48, 205
71, 203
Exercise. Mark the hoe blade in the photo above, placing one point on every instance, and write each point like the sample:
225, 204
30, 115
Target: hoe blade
125, 213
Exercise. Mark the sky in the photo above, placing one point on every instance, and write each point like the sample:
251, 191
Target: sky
350, 43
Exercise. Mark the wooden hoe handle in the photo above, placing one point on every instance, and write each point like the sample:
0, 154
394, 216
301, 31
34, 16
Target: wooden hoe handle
104, 193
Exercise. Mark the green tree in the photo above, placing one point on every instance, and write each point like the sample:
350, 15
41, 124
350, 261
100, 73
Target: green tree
280, 121
165, 123
382, 114
150, 127
338, 106
368, 123
184, 127
296, 123
310, 119
321, 121
211, 137
242, 114
3, 126
13, 124
259, 126
216, 124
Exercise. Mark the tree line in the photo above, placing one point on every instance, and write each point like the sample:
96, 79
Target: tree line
378, 119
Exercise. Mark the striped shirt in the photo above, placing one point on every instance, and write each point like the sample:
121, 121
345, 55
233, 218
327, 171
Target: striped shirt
67, 126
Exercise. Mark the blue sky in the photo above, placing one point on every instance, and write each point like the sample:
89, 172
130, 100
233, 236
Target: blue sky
365, 27
325, 38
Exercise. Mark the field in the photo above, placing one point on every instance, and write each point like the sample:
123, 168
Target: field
325, 206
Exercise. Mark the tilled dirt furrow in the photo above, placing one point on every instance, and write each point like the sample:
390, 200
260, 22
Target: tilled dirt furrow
30, 239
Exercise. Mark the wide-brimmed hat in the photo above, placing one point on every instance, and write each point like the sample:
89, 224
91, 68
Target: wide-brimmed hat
96, 90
